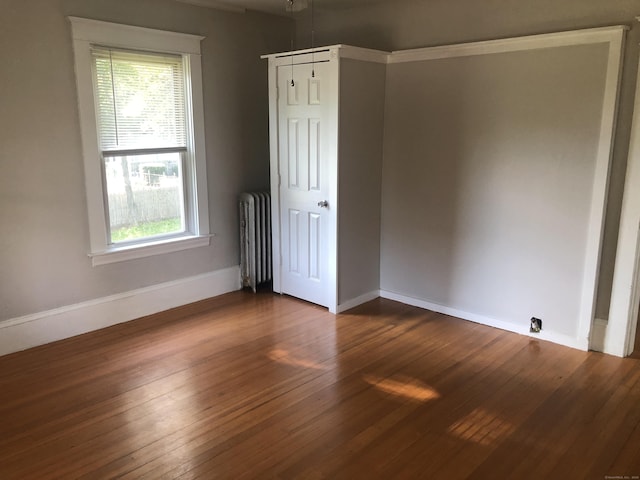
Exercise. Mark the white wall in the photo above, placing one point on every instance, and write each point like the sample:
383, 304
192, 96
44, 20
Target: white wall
44, 241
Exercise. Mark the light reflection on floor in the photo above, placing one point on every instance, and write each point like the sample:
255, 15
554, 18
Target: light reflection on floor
481, 427
403, 386
285, 357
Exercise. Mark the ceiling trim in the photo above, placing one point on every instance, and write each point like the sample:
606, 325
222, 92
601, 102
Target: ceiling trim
215, 4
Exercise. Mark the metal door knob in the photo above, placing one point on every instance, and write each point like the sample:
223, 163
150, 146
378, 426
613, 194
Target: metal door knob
323, 204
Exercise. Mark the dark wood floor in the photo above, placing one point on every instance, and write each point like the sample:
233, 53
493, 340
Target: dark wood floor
262, 386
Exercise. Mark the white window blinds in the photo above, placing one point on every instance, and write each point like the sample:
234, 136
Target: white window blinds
140, 100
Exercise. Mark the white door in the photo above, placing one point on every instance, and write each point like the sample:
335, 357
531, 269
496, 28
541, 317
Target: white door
305, 210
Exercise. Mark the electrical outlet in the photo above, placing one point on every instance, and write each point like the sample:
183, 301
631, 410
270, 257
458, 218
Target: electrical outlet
536, 325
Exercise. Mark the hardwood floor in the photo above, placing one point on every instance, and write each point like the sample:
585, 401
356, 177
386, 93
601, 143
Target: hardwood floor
263, 386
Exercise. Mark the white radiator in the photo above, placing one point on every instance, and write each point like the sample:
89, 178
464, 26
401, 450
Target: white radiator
255, 238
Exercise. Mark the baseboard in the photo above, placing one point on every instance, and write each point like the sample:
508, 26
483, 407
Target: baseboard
598, 335
550, 336
354, 302
44, 327
605, 341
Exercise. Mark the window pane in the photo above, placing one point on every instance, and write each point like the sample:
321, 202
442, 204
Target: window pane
140, 99
145, 194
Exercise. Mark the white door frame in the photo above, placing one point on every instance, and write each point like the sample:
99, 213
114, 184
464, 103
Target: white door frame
283, 59
625, 295
333, 53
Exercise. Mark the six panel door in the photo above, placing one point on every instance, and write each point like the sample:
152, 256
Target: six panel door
304, 189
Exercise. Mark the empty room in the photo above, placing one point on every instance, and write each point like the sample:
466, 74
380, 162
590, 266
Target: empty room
305, 239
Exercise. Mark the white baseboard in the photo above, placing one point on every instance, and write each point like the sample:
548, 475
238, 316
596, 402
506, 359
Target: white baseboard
598, 335
550, 336
603, 340
354, 302
44, 327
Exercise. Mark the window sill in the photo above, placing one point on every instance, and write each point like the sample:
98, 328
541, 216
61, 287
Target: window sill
131, 252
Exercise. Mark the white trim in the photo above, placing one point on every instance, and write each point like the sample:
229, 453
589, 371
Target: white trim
632, 330
600, 189
216, 5
342, 51
625, 292
90, 149
503, 45
296, 53
550, 336
354, 302
530, 42
196, 132
274, 172
86, 32
598, 335
127, 36
322, 55
49, 326
333, 130
363, 54
130, 252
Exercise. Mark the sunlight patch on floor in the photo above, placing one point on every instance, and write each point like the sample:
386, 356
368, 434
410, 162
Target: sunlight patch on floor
481, 427
403, 386
285, 357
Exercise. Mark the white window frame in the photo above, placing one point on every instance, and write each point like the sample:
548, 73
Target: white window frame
87, 32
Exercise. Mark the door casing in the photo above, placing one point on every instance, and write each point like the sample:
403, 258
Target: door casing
330, 57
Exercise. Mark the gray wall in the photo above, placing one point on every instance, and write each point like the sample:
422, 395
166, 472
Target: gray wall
362, 87
403, 24
488, 171
44, 241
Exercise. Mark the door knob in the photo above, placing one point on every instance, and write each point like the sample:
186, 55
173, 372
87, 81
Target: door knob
323, 204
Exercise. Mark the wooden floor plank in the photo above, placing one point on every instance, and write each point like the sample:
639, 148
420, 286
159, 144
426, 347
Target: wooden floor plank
266, 386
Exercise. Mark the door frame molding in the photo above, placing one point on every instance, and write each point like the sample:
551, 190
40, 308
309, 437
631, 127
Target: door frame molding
329, 54
625, 294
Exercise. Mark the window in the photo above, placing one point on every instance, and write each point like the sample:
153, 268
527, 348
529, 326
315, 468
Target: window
140, 101
140, 110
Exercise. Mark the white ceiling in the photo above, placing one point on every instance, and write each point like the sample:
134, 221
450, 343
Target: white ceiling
279, 7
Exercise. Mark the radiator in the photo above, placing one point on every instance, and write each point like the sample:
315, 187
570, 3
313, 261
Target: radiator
255, 238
